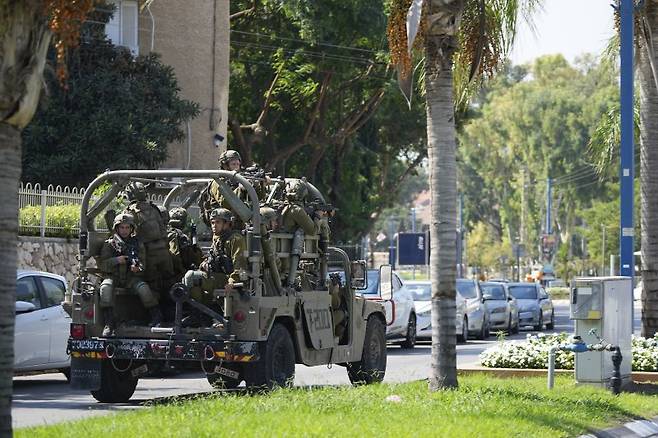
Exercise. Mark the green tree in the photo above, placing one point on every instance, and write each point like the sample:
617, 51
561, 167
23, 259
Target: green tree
116, 112
311, 95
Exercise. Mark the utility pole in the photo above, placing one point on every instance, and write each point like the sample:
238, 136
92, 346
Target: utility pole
626, 174
549, 206
391, 242
522, 237
413, 230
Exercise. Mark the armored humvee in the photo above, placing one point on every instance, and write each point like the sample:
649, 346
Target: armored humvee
266, 326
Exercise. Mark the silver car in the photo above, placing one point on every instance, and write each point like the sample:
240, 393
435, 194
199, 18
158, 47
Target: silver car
535, 306
476, 317
421, 292
501, 307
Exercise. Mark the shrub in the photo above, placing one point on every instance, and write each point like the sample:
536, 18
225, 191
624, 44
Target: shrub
533, 353
63, 220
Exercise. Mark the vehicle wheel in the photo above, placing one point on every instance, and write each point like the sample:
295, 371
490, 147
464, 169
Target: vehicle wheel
515, 329
463, 337
410, 340
372, 366
510, 327
540, 324
218, 381
67, 373
116, 386
277, 364
551, 325
484, 331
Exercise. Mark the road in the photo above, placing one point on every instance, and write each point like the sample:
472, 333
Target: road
47, 398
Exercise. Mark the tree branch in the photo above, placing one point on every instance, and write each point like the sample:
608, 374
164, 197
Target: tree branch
244, 12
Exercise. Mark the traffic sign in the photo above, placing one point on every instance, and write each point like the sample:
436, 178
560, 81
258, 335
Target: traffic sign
413, 249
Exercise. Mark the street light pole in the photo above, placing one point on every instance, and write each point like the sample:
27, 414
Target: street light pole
603, 251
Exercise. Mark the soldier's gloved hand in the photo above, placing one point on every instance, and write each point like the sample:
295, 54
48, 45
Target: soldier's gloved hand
122, 260
135, 268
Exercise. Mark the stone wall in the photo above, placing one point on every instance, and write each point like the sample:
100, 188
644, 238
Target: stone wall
49, 254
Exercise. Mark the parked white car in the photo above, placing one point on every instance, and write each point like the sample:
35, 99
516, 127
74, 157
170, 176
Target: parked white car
42, 326
422, 294
400, 312
476, 316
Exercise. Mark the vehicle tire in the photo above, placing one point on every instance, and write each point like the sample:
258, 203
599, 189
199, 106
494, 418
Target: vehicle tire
372, 366
538, 327
67, 373
410, 340
551, 325
218, 381
276, 367
515, 329
463, 337
116, 386
484, 331
510, 326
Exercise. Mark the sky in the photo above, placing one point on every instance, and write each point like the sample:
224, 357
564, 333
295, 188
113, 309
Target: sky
570, 27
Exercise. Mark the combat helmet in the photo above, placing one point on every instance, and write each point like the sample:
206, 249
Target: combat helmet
296, 191
124, 218
267, 214
227, 156
221, 213
178, 217
135, 191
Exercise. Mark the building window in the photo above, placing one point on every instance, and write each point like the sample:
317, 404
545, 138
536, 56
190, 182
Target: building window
122, 28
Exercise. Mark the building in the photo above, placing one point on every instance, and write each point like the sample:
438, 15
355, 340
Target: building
193, 38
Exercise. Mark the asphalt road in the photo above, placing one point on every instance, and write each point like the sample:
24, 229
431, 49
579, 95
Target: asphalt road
48, 399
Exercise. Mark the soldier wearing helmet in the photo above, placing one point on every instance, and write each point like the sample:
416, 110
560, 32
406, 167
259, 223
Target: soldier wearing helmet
230, 160
151, 228
122, 264
294, 215
212, 198
184, 252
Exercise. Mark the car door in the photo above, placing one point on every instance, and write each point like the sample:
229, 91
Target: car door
31, 331
58, 320
401, 307
545, 304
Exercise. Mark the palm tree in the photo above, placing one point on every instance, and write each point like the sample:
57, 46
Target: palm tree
25, 29
647, 62
464, 42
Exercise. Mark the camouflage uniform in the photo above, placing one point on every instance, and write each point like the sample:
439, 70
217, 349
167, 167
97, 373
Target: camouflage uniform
151, 230
116, 274
184, 253
224, 263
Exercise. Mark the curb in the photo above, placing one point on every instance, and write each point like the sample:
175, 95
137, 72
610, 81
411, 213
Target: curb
633, 429
637, 376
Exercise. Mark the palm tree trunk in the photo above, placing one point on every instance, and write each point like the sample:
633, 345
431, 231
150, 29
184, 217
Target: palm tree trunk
443, 195
10, 172
649, 180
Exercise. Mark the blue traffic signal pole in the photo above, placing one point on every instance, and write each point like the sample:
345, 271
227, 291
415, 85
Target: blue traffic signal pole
626, 176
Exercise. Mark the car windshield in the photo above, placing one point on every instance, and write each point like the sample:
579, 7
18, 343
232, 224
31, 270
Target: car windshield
496, 291
373, 283
466, 289
523, 292
420, 292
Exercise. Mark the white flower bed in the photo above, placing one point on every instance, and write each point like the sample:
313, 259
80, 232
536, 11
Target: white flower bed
533, 353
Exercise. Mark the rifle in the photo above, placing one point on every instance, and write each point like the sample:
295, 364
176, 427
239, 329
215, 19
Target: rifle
126, 249
219, 262
316, 205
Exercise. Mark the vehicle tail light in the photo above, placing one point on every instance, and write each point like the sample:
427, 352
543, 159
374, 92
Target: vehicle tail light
89, 314
239, 316
77, 331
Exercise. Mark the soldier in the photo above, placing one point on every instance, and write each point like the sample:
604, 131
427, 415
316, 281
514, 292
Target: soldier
152, 232
121, 264
228, 242
211, 198
270, 223
185, 253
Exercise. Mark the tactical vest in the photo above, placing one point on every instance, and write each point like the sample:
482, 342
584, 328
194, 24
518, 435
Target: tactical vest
148, 221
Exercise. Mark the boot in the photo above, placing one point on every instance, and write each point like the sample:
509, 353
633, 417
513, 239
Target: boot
108, 317
156, 316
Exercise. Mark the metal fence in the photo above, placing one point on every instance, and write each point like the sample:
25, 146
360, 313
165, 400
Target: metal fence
55, 211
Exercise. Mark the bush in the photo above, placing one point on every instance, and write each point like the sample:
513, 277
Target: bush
558, 293
533, 353
65, 219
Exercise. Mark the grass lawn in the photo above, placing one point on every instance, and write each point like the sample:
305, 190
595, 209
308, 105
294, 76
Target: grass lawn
482, 406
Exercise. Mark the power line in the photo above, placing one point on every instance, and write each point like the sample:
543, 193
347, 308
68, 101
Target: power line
319, 55
337, 46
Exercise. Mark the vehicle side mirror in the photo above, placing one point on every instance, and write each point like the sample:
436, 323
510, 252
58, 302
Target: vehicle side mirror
24, 307
386, 282
510, 298
486, 297
359, 279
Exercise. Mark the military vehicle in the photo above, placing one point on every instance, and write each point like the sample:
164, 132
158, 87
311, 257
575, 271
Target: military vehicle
266, 325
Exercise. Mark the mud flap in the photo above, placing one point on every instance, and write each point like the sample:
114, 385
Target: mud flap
85, 373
